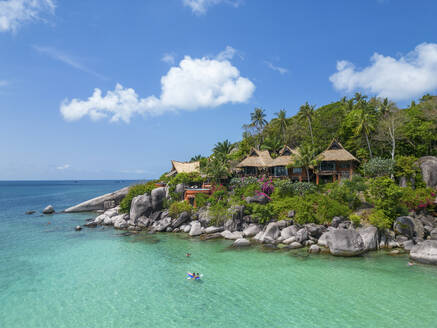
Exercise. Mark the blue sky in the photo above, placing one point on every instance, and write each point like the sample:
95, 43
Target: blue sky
184, 74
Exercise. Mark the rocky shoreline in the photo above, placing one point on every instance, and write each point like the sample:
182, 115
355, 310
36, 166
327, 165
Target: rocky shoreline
415, 234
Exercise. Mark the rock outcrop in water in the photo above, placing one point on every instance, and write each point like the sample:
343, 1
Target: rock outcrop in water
416, 232
48, 210
98, 203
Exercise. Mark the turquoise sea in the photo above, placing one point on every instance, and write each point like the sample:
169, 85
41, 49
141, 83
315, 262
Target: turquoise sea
53, 276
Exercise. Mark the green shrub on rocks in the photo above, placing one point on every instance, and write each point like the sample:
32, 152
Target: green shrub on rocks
201, 200
177, 208
284, 188
134, 191
386, 195
379, 219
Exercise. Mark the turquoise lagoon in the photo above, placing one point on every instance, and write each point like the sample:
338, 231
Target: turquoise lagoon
53, 276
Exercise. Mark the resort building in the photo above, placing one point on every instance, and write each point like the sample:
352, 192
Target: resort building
256, 163
281, 166
335, 163
183, 167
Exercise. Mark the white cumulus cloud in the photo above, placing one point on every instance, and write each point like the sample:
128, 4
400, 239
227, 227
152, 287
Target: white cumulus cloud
409, 76
194, 84
14, 13
200, 7
63, 167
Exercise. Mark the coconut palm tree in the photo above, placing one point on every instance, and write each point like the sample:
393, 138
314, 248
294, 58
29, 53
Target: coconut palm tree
223, 148
281, 122
273, 144
306, 112
364, 125
196, 158
258, 119
217, 169
305, 158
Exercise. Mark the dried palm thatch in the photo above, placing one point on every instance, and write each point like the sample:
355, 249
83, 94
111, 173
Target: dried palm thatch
285, 157
336, 152
257, 158
184, 167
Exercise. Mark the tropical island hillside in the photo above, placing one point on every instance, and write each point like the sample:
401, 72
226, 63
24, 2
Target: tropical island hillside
355, 175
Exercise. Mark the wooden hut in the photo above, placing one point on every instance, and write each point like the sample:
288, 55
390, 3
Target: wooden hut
335, 163
183, 167
256, 163
281, 165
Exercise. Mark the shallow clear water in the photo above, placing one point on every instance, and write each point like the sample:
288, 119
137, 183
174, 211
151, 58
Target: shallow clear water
53, 276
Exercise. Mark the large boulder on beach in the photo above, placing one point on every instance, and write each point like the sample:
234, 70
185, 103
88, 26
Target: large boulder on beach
428, 166
370, 237
251, 230
163, 224
241, 242
158, 196
232, 235
301, 235
288, 232
410, 227
345, 242
315, 230
112, 212
98, 203
270, 233
182, 218
213, 229
196, 228
314, 249
425, 252
48, 210
141, 205
120, 222
259, 199
99, 219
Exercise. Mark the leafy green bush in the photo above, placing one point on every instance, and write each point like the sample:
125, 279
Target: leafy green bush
407, 166
134, 191
379, 219
312, 208
344, 194
286, 188
218, 213
178, 207
418, 199
263, 213
201, 200
355, 218
386, 196
242, 182
378, 167
357, 183
219, 196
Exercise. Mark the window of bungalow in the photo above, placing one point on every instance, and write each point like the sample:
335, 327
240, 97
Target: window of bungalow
280, 171
344, 165
297, 170
327, 166
250, 170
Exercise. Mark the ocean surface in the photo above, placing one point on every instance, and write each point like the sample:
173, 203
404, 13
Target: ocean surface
53, 276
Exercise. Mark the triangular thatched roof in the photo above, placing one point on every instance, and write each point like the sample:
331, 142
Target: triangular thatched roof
184, 167
285, 157
256, 158
336, 152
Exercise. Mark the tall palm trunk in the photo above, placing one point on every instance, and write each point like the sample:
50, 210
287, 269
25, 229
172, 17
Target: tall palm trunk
308, 173
368, 145
311, 131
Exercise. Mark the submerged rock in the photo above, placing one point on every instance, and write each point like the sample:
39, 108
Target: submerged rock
48, 210
241, 242
425, 252
314, 249
30, 212
78, 228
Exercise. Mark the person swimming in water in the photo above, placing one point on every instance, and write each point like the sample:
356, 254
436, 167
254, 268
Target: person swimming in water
188, 254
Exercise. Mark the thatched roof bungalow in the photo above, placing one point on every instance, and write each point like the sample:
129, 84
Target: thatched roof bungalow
256, 162
183, 167
335, 162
